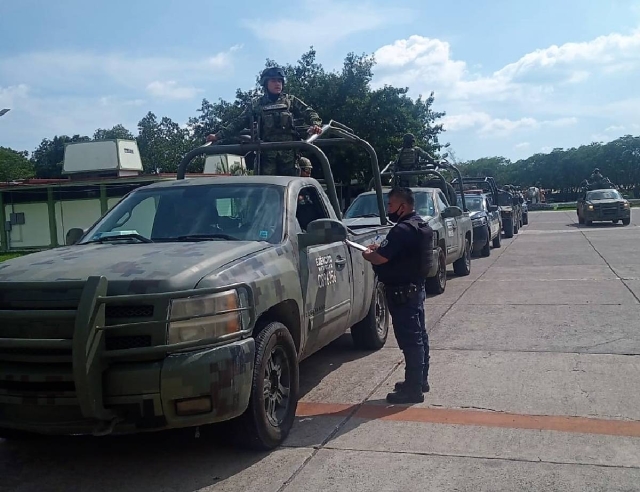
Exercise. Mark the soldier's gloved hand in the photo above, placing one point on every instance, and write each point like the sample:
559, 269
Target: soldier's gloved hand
314, 130
211, 137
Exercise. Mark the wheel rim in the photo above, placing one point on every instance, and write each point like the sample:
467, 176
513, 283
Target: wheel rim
277, 386
442, 273
381, 313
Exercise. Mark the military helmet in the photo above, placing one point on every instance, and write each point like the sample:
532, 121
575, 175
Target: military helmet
271, 73
305, 163
596, 170
408, 138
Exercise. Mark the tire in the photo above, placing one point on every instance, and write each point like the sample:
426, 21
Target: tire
276, 359
525, 219
497, 241
486, 250
371, 332
19, 435
508, 228
516, 227
580, 220
626, 221
615, 221
436, 285
462, 266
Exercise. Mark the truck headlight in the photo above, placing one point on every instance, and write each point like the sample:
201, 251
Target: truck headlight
590, 207
207, 317
626, 205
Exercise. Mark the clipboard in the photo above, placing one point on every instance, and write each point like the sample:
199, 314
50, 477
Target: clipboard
357, 246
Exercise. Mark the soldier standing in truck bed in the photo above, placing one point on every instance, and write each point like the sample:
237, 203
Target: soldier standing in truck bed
408, 159
275, 112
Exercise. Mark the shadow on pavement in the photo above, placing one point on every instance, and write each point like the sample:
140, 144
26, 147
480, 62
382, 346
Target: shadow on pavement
329, 359
168, 460
171, 460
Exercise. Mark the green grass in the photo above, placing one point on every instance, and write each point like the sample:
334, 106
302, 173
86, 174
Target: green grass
8, 256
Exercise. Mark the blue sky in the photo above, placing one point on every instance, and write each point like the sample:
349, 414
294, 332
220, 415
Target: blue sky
514, 78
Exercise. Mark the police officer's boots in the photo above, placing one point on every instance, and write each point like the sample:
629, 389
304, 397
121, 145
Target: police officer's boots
406, 395
400, 384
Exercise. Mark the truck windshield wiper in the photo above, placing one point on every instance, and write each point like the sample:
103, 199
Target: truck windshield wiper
365, 215
206, 237
118, 237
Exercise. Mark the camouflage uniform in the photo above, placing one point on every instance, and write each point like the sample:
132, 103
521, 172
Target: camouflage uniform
408, 159
275, 115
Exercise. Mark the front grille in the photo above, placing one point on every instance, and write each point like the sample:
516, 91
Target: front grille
127, 311
608, 210
42, 365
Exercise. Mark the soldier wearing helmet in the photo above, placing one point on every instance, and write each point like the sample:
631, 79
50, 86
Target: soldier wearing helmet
408, 159
305, 167
274, 112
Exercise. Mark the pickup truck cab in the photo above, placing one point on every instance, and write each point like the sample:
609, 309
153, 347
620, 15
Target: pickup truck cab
190, 302
600, 205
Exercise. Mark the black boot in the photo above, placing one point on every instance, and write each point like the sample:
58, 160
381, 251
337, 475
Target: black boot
400, 385
406, 396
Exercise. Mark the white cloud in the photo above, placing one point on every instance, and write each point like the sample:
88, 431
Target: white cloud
10, 95
606, 50
427, 64
522, 145
614, 128
322, 25
171, 90
82, 71
489, 126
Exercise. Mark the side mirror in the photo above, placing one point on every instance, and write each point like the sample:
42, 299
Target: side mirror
493, 208
323, 231
451, 212
73, 236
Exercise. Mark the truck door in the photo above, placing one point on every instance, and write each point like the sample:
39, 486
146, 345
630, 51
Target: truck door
451, 230
326, 287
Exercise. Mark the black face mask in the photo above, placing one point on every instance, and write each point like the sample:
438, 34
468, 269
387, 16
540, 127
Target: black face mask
394, 216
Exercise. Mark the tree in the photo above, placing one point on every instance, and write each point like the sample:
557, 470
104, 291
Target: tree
48, 158
117, 131
14, 165
162, 144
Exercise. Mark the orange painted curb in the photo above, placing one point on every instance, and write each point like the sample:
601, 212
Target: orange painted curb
559, 423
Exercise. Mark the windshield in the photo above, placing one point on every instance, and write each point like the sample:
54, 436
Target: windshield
603, 195
178, 213
367, 205
474, 203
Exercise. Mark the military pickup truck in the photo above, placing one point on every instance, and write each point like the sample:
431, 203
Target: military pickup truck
508, 205
453, 230
603, 205
191, 302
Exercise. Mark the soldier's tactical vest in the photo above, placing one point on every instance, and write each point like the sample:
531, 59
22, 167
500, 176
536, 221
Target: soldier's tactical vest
407, 159
277, 120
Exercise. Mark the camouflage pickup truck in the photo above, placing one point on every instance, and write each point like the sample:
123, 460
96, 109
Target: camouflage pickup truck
191, 302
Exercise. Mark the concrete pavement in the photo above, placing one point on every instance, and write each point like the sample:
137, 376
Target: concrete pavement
534, 372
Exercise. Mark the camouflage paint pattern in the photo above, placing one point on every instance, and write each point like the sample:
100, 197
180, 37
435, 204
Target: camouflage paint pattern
143, 393
407, 160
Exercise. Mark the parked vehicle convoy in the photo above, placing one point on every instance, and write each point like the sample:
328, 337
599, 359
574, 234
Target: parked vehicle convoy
486, 221
453, 231
191, 302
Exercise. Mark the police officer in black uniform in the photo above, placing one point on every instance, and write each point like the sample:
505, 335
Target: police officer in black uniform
400, 262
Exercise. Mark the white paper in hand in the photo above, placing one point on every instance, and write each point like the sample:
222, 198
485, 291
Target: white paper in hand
356, 245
